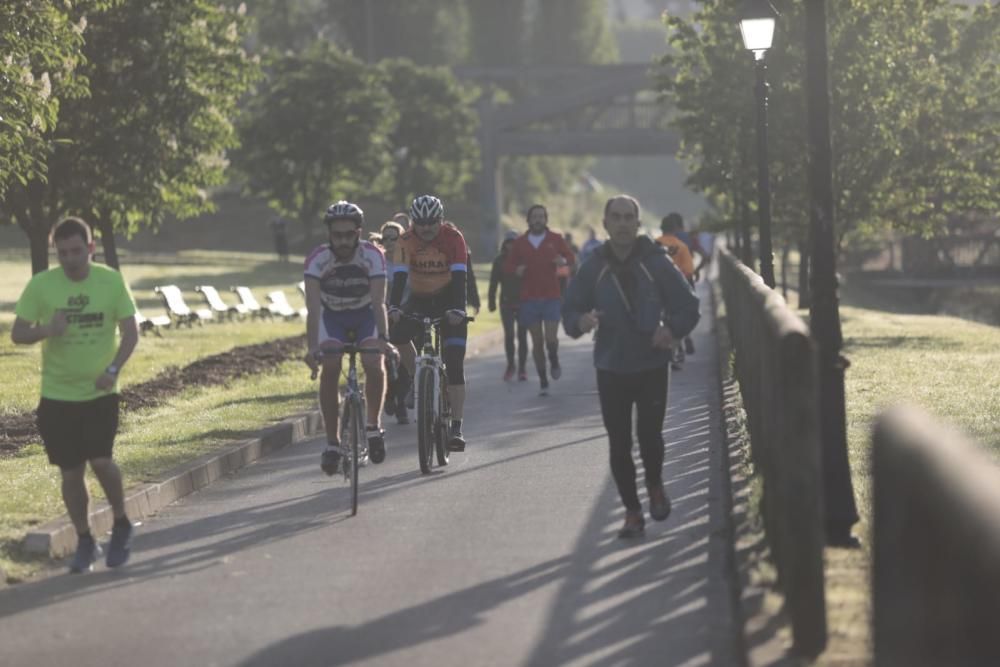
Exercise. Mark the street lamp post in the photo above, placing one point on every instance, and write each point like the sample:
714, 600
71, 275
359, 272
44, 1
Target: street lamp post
757, 27
824, 313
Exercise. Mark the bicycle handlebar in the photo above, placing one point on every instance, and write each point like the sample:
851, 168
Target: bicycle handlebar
348, 348
433, 320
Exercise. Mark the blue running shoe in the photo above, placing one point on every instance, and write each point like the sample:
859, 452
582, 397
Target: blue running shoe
120, 546
87, 552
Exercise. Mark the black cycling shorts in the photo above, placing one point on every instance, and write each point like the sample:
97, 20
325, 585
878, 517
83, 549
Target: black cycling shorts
75, 432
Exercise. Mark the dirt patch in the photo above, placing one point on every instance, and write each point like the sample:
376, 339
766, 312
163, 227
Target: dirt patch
19, 430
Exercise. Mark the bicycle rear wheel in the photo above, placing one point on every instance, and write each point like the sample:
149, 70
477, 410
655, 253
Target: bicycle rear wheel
426, 418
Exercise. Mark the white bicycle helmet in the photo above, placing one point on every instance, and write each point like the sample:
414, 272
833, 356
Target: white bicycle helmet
345, 210
427, 207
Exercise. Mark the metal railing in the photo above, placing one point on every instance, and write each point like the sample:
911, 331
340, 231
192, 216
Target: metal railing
776, 370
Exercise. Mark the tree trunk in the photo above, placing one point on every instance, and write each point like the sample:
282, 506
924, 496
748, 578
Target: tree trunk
805, 295
785, 249
37, 225
747, 243
107, 229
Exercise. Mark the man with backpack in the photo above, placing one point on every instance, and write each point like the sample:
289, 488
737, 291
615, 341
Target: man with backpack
639, 303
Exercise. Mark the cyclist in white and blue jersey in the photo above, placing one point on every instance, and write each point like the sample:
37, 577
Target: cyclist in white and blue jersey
345, 298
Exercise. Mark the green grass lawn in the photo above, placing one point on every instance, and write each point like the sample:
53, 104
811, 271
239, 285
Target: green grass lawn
948, 366
151, 442
181, 346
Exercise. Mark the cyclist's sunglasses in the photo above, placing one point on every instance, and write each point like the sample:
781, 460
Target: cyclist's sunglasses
390, 238
427, 223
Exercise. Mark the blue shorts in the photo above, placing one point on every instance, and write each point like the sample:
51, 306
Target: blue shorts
530, 313
337, 327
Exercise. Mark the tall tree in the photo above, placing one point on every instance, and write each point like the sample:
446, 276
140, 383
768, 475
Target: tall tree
904, 136
497, 32
569, 32
40, 43
164, 80
434, 140
288, 25
316, 130
428, 32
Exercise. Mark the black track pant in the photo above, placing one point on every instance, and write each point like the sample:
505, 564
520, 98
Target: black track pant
647, 390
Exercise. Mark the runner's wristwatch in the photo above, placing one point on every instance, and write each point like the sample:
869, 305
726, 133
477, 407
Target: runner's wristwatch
111, 370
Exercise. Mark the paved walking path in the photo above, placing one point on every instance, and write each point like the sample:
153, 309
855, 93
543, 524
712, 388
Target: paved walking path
506, 557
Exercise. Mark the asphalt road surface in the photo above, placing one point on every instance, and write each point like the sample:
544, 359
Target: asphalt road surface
508, 556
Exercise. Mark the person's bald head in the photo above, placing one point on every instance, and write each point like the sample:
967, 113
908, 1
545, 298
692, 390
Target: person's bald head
632, 202
621, 219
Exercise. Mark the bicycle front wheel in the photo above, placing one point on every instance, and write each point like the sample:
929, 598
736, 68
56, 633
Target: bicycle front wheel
353, 430
426, 418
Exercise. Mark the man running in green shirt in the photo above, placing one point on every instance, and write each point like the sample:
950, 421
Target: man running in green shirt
74, 310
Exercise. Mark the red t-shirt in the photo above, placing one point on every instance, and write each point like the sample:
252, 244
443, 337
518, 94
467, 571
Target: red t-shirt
540, 280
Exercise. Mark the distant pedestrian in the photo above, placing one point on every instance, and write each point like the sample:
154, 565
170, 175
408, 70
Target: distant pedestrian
397, 377
590, 245
680, 251
508, 286
639, 303
535, 257
279, 227
75, 310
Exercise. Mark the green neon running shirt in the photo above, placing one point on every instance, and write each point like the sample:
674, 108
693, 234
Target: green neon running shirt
71, 363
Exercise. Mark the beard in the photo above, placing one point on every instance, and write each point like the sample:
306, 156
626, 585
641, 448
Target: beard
345, 251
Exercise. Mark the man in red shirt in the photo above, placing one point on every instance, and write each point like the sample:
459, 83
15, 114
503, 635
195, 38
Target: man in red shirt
535, 257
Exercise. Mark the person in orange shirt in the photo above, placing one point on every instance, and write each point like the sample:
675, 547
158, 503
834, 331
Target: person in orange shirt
684, 260
676, 248
432, 258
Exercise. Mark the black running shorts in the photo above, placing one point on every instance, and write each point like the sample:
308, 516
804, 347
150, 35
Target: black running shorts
75, 432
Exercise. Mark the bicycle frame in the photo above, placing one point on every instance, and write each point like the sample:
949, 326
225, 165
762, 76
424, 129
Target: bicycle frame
431, 357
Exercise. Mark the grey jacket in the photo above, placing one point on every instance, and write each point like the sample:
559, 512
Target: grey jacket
635, 297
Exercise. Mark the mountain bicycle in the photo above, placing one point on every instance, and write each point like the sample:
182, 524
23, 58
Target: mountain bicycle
353, 416
431, 396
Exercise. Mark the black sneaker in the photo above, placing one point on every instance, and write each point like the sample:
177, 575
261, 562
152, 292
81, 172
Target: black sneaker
87, 552
457, 442
688, 345
330, 461
556, 371
544, 391
376, 445
659, 503
120, 547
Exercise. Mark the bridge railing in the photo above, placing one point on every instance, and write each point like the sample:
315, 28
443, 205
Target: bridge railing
776, 369
936, 552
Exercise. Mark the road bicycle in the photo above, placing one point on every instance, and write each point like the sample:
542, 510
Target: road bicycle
431, 396
353, 416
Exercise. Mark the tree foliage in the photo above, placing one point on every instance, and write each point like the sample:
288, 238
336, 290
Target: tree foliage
571, 32
434, 140
315, 131
40, 46
497, 32
164, 79
429, 32
913, 134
